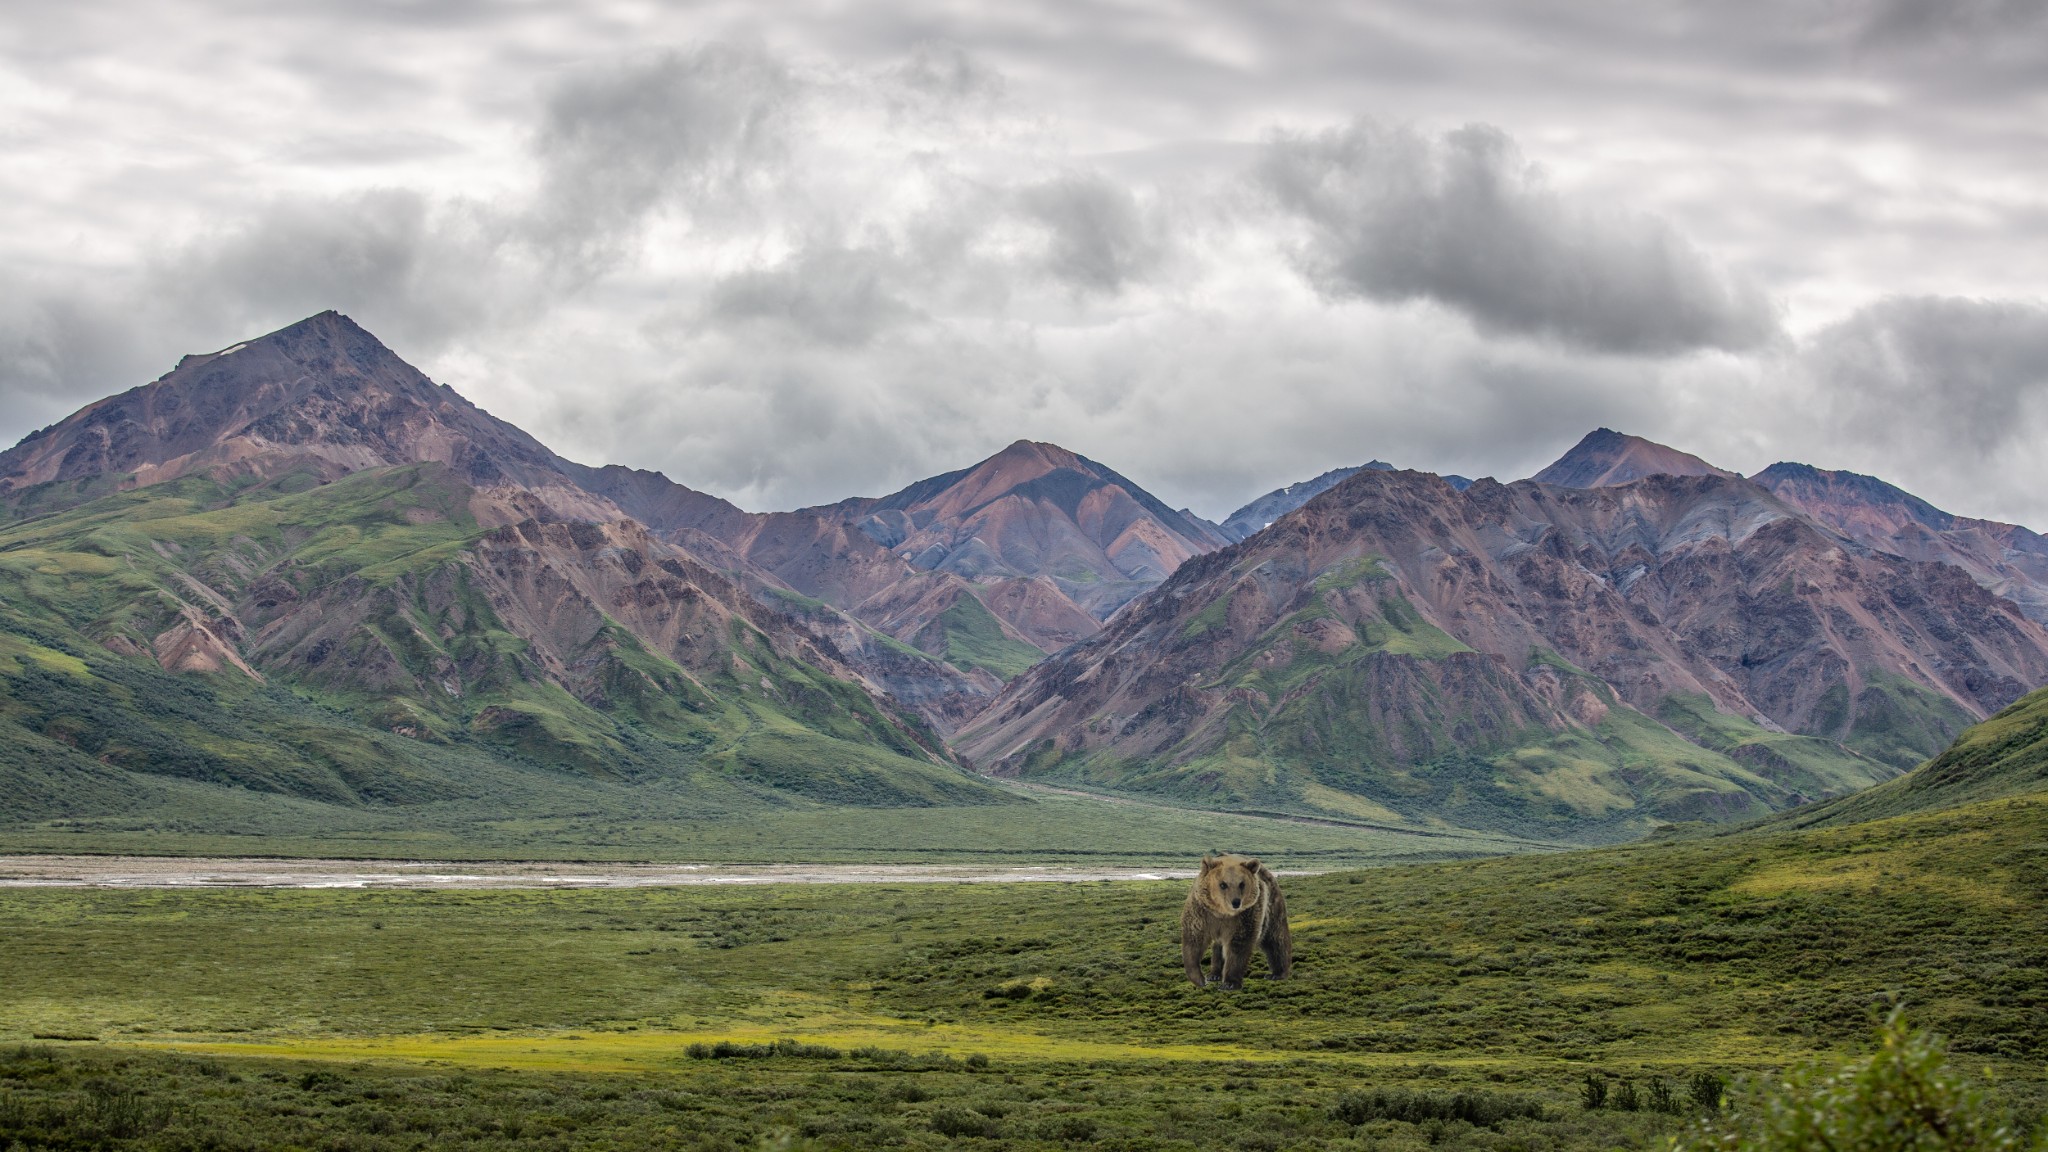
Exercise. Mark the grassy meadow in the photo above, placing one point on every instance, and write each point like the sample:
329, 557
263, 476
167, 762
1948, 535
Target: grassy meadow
1459, 1005
1043, 827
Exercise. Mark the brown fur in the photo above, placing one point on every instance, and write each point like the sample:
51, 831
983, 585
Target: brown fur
1258, 920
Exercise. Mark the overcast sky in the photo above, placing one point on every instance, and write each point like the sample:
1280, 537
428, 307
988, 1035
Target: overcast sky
792, 252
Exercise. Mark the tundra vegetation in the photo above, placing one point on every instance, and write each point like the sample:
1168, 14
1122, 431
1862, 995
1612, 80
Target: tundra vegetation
1595, 999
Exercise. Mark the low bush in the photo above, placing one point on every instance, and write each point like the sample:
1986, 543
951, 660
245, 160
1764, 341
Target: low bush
728, 1050
951, 1121
1476, 1107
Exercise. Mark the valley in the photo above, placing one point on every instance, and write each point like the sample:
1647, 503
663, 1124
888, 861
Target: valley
492, 800
1043, 1015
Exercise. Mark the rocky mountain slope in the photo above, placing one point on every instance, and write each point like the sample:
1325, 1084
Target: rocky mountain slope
1524, 655
1011, 559
1273, 505
1606, 457
306, 512
1035, 510
2009, 560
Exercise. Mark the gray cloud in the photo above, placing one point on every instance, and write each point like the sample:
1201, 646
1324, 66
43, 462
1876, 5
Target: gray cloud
946, 72
1920, 25
840, 297
1953, 382
1464, 220
702, 131
1099, 237
786, 253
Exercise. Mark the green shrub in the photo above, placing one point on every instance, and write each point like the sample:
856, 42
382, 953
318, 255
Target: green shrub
123, 1113
728, 1050
950, 1121
1593, 1093
1902, 1098
1479, 1108
1067, 1128
1662, 1098
1706, 1090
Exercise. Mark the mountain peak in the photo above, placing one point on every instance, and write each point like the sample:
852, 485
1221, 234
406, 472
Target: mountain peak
1604, 458
1033, 452
321, 393
1035, 510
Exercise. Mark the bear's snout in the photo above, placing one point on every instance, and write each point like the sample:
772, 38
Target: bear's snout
1237, 903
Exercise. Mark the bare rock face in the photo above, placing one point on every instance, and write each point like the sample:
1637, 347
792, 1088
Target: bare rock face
2009, 560
1395, 622
1045, 541
1035, 510
322, 397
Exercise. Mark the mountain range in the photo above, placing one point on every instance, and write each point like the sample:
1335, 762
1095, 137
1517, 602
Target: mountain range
298, 569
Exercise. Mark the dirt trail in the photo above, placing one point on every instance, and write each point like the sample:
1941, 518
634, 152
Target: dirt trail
214, 872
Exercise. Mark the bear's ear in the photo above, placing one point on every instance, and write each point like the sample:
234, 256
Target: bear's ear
1252, 865
1208, 862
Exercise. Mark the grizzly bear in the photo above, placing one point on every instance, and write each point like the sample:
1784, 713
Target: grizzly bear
1235, 907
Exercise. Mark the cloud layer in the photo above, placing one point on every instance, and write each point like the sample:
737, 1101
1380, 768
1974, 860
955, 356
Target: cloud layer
1464, 220
791, 258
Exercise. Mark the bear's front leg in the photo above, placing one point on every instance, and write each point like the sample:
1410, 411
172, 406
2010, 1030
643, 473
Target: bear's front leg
1237, 960
1191, 950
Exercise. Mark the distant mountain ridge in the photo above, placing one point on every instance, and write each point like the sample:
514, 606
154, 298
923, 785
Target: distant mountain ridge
987, 568
1035, 510
321, 396
299, 567
2010, 560
1260, 513
1394, 626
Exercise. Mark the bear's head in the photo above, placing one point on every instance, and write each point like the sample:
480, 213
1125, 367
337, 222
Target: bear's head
1230, 884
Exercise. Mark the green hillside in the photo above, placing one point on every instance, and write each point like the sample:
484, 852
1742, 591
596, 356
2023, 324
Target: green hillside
1354, 705
410, 692
2006, 755
968, 635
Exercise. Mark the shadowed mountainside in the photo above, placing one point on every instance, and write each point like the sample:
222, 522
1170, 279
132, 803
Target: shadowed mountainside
2006, 755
